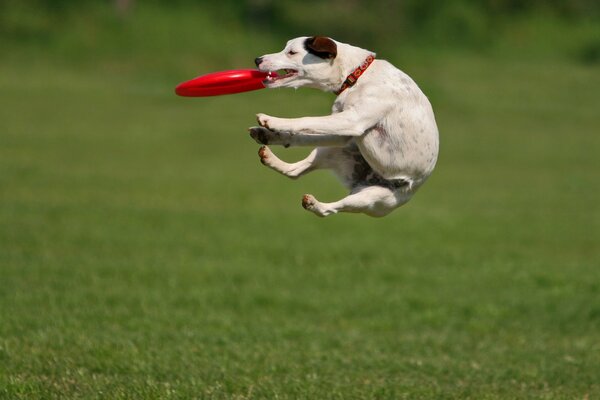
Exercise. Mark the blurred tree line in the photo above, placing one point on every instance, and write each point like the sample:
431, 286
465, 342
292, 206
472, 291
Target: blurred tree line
377, 23
409, 15
471, 20
414, 8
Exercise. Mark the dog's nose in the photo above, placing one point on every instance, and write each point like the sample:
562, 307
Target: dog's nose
257, 61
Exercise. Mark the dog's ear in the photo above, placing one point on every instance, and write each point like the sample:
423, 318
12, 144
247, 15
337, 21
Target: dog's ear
321, 46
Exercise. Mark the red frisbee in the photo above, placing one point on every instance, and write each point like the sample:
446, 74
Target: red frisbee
223, 82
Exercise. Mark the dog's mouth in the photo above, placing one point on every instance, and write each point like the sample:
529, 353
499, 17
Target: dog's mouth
279, 75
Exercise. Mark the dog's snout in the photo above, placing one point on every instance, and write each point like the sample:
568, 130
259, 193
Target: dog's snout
257, 61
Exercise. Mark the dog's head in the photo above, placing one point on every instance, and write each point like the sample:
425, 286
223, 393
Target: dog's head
305, 61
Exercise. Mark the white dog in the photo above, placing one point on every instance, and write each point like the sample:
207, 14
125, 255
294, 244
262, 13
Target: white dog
381, 139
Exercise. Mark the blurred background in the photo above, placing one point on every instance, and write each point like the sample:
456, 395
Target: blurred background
146, 253
174, 34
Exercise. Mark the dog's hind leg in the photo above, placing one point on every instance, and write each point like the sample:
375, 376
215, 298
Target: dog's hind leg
321, 157
375, 201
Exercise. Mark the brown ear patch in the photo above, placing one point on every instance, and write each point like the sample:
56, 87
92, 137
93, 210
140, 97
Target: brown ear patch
321, 46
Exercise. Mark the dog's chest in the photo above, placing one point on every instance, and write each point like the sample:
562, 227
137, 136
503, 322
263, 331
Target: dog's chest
338, 106
347, 100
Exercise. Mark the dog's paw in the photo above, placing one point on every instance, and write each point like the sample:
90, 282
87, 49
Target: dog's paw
260, 135
273, 123
265, 154
308, 202
265, 136
263, 120
313, 205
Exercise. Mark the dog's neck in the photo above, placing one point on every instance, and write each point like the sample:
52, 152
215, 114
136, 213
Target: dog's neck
351, 58
353, 77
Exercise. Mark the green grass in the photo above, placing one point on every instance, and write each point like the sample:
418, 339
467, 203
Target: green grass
146, 253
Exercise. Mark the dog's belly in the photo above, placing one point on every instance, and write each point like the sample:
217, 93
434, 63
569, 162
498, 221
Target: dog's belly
401, 149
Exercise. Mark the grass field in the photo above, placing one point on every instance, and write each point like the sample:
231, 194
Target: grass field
146, 253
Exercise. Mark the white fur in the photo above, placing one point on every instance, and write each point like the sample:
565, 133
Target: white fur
384, 120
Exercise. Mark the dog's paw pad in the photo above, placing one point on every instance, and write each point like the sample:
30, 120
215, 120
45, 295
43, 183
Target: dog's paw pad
308, 201
264, 152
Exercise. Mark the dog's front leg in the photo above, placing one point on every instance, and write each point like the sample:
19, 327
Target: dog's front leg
346, 123
287, 139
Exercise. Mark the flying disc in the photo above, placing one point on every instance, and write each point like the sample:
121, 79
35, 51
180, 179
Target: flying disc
223, 82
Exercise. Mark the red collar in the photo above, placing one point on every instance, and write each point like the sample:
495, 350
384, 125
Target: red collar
357, 73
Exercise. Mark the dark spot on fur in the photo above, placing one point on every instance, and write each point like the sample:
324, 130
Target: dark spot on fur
381, 134
364, 175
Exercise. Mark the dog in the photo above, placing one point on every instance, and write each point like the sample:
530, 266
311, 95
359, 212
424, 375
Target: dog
381, 139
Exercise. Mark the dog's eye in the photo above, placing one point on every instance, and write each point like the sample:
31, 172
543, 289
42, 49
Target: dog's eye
292, 52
